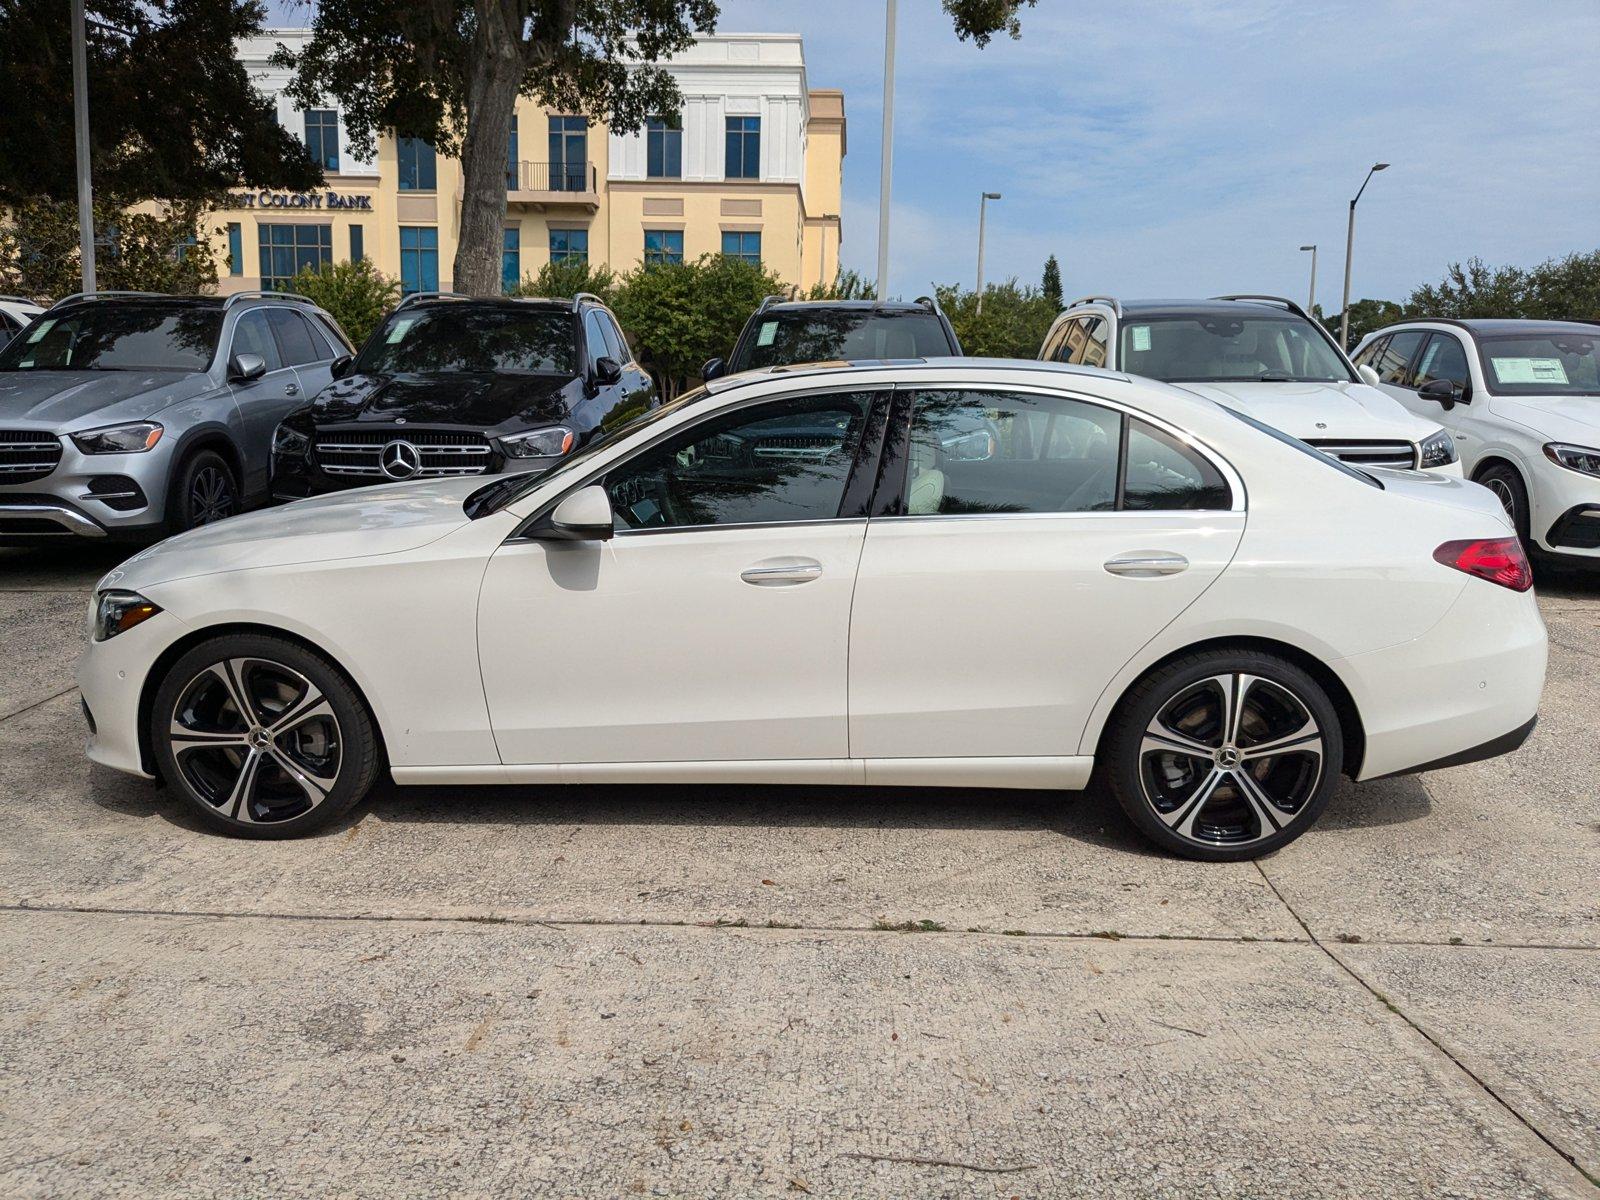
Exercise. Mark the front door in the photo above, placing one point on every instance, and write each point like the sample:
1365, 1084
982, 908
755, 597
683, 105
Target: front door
261, 402
1041, 540
715, 625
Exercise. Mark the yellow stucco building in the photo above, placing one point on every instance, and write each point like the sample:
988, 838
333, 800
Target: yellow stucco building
754, 168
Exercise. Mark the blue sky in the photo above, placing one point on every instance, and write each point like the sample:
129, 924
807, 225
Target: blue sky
1181, 147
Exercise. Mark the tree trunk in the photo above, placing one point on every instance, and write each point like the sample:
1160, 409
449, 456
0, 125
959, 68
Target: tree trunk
493, 83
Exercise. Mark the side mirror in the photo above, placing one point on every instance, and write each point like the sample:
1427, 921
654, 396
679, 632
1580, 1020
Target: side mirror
1368, 375
585, 515
341, 366
1445, 391
714, 369
607, 370
246, 367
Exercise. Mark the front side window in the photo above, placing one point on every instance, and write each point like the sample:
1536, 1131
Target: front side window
105, 337
286, 250
419, 259
663, 149
1392, 363
1372, 351
594, 336
445, 338
784, 337
663, 246
1211, 347
745, 245
1545, 364
743, 148
1443, 359
419, 171
778, 462
252, 335
569, 245
511, 261
322, 137
569, 154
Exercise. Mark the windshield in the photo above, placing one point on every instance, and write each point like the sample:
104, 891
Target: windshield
463, 337
1543, 364
1223, 348
780, 339
117, 337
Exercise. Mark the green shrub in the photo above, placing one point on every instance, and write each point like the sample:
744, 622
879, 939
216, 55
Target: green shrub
355, 294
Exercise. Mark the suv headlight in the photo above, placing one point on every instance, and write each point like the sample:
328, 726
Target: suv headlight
117, 612
119, 439
1437, 450
539, 443
290, 443
1574, 458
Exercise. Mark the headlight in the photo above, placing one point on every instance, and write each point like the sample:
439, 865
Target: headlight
1438, 450
289, 442
541, 443
118, 612
1574, 458
120, 439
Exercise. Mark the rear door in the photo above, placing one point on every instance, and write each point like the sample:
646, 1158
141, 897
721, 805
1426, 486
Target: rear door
1032, 543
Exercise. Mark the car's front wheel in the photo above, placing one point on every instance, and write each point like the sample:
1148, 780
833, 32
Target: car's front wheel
1508, 488
205, 491
1224, 755
262, 737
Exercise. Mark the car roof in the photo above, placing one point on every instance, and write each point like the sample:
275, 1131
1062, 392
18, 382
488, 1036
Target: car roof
727, 383
1202, 307
1494, 325
847, 306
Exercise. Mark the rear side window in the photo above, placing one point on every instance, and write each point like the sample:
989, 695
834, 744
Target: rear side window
294, 338
1165, 475
1391, 365
1082, 342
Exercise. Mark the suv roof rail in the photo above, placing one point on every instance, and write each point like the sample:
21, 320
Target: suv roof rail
1112, 301
1283, 300
260, 294
19, 300
932, 303
579, 297
768, 301
79, 297
418, 297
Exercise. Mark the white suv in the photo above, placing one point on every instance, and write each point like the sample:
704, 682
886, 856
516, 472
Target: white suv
15, 312
1522, 400
1259, 355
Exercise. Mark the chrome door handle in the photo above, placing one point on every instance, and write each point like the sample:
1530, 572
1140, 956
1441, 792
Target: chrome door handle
782, 574
1147, 565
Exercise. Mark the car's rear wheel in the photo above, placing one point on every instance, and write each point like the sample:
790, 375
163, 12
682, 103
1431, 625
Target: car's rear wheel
204, 492
262, 737
1224, 755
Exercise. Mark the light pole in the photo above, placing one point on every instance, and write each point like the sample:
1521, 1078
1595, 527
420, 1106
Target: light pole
80, 120
886, 158
1349, 244
983, 212
1311, 296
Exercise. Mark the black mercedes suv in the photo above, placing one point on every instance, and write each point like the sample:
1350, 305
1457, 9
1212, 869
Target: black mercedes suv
451, 385
783, 332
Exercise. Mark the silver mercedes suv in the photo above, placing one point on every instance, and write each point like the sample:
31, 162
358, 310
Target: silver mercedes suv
134, 415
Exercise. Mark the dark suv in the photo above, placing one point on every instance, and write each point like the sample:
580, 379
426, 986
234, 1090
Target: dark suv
450, 385
783, 332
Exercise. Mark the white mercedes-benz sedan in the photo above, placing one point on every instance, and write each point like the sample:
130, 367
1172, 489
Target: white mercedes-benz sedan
953, 572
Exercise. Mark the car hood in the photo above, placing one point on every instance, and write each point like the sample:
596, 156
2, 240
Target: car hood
359, 523
1574, 419
89, 398
490, 402
1314, 411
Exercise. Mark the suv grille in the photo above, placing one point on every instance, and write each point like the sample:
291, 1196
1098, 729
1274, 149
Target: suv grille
443, 452
26, 455
1371, 454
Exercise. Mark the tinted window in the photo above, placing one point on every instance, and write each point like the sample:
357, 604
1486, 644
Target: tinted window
1222, 347
462, 337
1082, 341
995, 452
251, 335
1545, 364
1371, 352
786, 461
1443, 359
294, 338
1392, 361
1165, 474
830, 335
614, 339
595, 336
105, 337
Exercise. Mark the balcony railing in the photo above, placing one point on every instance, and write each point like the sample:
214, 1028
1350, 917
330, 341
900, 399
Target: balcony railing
553, 177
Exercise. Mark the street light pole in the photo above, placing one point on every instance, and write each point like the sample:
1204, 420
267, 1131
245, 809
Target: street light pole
886, 158
983, 207
1349, 245
1311, 296
80, 115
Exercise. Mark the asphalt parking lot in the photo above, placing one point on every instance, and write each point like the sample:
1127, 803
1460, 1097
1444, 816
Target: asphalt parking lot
762, 991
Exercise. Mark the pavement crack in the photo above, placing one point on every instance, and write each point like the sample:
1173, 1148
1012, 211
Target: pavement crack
27, 708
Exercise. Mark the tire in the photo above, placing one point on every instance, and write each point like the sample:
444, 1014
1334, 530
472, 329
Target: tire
1505, 482
304, 756
203, 492
1187, 787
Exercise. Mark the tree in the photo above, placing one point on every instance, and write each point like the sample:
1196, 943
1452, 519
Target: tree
567, 279
982, 19
355, 294
846, 285
1052, 283
450, 72
150, 249
1013, 322
172, 114
1555, 290
1366, 316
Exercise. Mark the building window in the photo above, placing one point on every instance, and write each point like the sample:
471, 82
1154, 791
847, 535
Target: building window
358, 247
744, 148
235, 249
322, 137
419, 259
742, 245
663, 149
418, 172
513, 173
511, 261
663, 246
569, 154
286, 250
569, 245
185, 244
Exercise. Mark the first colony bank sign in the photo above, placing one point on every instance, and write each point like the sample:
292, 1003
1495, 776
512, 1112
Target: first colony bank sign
301, 200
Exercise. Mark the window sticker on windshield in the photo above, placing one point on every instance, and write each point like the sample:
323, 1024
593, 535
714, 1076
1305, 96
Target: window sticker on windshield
767, 332
1141, 337
398, 330
1530, 370
37, 335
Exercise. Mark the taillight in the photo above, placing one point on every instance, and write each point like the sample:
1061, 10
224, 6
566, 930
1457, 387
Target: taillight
1499, 560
